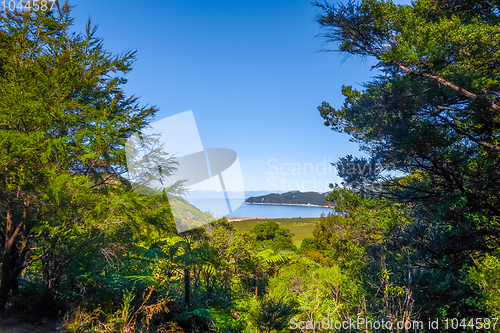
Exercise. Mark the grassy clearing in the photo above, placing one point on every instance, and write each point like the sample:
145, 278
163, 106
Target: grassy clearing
300, 227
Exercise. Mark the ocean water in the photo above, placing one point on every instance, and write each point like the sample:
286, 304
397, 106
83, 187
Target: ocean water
218, 208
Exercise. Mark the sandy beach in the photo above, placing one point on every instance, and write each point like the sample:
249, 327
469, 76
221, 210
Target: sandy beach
246, 218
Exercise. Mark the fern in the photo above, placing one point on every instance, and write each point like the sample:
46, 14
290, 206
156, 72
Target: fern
154, 253
268, 256
146, 279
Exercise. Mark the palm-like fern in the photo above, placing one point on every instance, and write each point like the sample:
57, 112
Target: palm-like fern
268, 257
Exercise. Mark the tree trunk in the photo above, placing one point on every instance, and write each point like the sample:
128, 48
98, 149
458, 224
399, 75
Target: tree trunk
187, 287
11, 259
8, 275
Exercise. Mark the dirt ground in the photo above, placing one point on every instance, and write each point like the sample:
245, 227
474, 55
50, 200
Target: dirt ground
13, 326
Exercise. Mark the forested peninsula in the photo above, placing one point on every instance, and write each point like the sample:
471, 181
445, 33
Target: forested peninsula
295, 198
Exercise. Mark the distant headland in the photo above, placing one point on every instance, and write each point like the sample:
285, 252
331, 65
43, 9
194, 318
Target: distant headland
292, 198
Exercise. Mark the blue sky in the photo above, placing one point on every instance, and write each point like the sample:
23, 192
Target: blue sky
251, 71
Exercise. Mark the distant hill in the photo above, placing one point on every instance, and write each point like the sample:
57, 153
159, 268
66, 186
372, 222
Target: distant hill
201, 194
186, 210
290, 198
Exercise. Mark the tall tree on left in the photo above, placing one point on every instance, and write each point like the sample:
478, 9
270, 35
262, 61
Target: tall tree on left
63, 124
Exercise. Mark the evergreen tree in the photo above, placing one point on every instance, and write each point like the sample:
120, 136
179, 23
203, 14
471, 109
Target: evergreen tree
64, 120
433, 114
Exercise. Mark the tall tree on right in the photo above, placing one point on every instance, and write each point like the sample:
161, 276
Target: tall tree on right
432, 113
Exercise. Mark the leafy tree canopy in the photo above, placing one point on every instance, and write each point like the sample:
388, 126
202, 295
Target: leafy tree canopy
433, 111
270, 235
64, 120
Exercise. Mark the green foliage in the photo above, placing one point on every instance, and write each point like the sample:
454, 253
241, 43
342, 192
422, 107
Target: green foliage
125, 319
274, 316
299, 227
397, 247
315, 291
270, 235
361, 223
270, 259
431, 115
63, 123
227, 321
486, 275
433, 111
357, 172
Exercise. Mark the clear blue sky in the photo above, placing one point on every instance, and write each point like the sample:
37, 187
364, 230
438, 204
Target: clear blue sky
250, 70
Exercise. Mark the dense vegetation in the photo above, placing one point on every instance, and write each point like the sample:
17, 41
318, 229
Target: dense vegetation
300, 228
432, 115
81, 247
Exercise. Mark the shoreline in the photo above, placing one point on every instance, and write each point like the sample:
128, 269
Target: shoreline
285, 204
237, 219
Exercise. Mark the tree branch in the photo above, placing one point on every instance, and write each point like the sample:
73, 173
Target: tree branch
442, 81
470, 136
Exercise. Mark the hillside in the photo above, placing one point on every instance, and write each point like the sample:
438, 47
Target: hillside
290, 198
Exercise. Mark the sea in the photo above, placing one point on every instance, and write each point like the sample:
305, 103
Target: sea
218, 208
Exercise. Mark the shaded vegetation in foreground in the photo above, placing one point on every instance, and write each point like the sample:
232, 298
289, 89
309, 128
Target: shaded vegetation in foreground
82, 248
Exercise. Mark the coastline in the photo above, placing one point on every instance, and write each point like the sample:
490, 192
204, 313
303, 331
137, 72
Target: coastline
285, 204
237, 219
